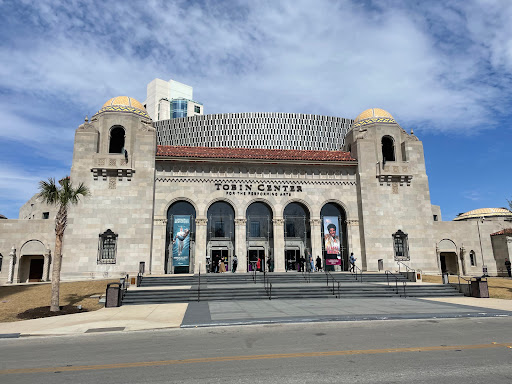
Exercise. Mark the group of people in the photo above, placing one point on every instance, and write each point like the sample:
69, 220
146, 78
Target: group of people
312, 265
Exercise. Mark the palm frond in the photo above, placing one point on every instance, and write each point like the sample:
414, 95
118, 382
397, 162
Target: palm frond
49, 192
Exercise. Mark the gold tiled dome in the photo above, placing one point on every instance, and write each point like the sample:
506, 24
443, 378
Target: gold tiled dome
124, 104
372, 112
484, 212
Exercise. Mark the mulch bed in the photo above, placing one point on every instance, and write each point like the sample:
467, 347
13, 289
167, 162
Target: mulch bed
36, 313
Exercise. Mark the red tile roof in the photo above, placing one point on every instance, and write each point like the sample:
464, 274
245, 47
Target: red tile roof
507, 231
245, 153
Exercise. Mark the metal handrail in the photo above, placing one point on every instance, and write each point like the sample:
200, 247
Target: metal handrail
328, 273
407, 268
199, 287
396, 281
356, 268
463, 278
267, 285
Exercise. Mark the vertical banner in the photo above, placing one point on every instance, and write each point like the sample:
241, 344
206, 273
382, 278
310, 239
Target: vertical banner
332, 241
181, 241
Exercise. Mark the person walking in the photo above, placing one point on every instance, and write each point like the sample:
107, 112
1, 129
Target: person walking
352, 260
235, 263
222, 266
508, 265
258, 265
318, 263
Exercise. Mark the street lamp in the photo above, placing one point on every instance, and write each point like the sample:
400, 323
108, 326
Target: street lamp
484, 267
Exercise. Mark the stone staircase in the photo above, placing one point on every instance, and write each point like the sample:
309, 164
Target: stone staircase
292, 285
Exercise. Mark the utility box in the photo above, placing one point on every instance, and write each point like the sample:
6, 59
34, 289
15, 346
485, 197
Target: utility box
113, 295
479, 288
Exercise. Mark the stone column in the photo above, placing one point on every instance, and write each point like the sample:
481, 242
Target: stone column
278, 244
12, 263
241, 244
316, 238
354, 245
158, 252
200, 255
46, 265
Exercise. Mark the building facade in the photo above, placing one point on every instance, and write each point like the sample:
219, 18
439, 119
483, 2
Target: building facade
182, 208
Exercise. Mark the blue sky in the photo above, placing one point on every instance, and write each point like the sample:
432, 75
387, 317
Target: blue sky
442, 68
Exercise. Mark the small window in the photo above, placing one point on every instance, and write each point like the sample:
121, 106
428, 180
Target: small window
46, 215
197, 109
472, 258
107, 247
401, 246
435, 218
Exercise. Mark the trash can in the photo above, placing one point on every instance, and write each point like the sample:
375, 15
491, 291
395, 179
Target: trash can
381, 264
479, 288
113, 295
446, 279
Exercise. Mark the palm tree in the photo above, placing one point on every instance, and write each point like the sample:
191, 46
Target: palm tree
61, 196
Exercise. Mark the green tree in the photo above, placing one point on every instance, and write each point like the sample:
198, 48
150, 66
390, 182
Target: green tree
62, 196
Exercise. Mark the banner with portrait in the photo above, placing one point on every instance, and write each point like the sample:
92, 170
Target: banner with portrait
181, 241
332, 240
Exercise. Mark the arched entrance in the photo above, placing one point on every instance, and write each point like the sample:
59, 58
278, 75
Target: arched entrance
334, 237
180, 238
31, 268
260, 236
297, 236
220, 245
448, 259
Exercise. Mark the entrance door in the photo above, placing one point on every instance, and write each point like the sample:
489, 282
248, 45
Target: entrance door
218, 255
252, 260
36, 270
292, 259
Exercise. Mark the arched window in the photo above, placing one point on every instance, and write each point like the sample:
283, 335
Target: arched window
117, 136
472, 258
388, 149
297, 235
401, 245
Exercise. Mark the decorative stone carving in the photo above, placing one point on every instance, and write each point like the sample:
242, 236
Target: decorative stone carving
315, 221
101, 162
111, 183
395, 188
201, 221
362, 134
12, 263
278, 221
112, 162
160, 221
352, 222
240, 221
146, 126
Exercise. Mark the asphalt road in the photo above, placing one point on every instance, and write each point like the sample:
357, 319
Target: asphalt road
467, 350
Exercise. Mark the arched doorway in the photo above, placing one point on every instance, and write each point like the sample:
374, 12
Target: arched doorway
334, 237
220, 242
448, 259
297, 236
260, 236
31, 266
180, 238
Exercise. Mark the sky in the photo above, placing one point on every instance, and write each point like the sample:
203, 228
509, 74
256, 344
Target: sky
441, 68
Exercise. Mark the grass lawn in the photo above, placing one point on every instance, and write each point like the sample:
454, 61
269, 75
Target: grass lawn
499, 287
17, 299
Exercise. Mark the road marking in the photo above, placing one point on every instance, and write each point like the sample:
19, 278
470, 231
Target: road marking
252, 357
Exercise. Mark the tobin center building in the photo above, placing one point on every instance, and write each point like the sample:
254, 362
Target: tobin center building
180, 195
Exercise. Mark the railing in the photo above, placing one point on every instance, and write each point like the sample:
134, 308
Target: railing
253, 274
388, 273
267, 285
140, 275
199, 287
466, 280
334, 283
408, 270
357, 272
307, 275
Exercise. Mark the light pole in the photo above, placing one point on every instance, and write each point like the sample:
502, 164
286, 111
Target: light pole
484, 268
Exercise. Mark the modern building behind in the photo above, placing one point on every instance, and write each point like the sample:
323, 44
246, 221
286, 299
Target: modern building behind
170, 100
